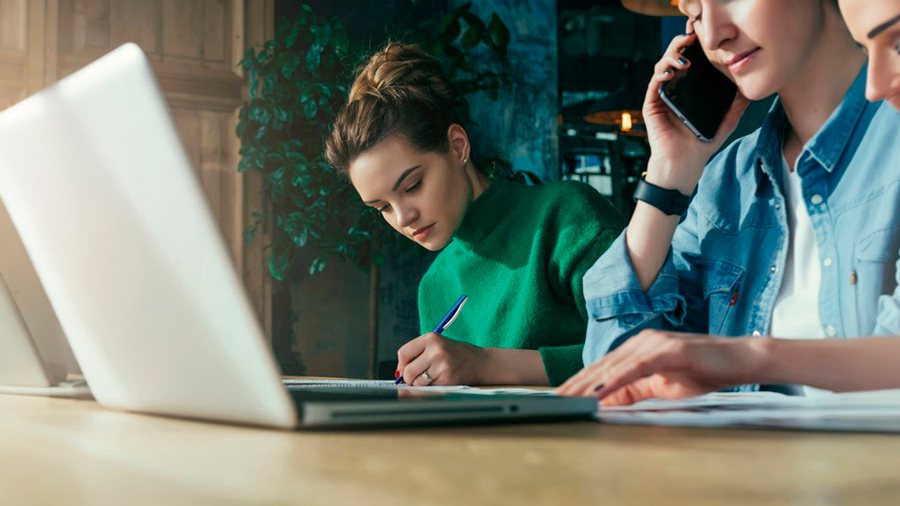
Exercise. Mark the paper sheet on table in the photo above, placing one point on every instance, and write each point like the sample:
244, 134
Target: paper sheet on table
389, 384
876, 411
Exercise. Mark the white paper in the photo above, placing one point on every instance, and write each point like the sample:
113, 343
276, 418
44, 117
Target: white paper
875, 411
389, 384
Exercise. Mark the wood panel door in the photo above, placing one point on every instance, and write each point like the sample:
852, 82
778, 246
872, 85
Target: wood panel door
195, 47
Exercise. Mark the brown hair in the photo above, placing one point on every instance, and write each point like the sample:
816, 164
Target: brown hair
401, 90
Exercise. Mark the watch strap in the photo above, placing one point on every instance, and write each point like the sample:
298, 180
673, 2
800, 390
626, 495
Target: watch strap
671, 202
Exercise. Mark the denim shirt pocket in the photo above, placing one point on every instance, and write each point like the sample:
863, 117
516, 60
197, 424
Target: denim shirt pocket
721, 282
874, 273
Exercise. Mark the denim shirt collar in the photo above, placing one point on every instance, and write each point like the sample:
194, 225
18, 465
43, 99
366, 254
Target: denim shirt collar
826, 146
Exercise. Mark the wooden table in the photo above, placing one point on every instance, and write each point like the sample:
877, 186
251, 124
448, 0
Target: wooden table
58, 451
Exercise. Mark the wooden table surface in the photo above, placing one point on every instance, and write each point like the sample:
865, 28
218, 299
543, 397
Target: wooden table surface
59, 451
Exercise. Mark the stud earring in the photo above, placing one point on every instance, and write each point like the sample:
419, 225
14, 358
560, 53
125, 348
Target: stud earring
465, 160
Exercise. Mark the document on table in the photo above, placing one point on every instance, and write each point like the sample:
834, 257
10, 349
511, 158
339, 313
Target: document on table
876, 411
389, 384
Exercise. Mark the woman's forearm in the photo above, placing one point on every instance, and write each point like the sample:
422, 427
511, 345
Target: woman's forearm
650, 231
840, 365
514, 367
648, 238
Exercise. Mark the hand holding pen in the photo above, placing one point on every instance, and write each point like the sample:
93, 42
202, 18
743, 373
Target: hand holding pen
419, 345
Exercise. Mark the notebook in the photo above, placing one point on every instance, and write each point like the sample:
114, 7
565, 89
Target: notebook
116, 224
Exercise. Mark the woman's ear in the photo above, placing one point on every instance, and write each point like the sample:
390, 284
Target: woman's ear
459, 142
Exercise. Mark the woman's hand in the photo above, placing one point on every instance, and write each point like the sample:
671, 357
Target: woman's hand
449, 362
677, 156
669, 365
446, 362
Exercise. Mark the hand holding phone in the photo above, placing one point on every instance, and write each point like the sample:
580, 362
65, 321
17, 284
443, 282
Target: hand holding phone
699, 95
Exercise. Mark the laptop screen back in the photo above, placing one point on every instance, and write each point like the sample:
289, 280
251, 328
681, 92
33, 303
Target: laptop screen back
116, 224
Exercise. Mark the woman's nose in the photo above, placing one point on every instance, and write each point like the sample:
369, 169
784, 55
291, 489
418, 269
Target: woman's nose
406, 216
878, 79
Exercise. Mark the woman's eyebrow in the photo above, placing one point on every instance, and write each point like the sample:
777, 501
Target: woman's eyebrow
397, 184
403, 176
882, 27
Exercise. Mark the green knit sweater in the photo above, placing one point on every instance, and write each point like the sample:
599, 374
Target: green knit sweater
519, 255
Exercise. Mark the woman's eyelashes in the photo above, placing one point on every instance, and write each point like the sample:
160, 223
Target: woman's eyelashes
415, 186
410, 189
896, 47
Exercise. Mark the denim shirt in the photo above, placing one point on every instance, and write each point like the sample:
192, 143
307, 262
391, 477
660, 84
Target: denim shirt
724, 268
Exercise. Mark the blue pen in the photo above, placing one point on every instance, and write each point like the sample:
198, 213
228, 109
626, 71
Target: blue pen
444, 323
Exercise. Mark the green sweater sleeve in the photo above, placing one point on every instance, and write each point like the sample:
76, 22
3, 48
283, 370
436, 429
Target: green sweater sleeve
561, 362
586, 225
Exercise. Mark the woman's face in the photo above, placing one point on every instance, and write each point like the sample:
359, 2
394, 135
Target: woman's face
875, 24
423, 196
759, 44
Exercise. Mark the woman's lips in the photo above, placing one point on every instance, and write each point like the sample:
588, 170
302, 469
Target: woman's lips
739, 62
422, 232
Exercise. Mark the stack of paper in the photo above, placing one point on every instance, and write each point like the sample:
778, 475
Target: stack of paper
877, 411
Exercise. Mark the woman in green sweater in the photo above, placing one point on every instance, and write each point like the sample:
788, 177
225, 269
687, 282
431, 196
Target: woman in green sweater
519, 252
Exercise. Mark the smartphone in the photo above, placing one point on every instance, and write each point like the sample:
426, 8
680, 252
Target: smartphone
699, 95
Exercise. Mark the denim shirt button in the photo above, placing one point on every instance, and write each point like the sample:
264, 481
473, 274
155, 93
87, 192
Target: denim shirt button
757, 333
827, 262
773, 269
816, 199
830, 330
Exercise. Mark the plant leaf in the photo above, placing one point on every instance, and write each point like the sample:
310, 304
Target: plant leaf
498, 34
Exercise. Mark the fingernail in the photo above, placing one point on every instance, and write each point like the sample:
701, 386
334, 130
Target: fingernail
667, 72
682, 61
397, 373
598, 387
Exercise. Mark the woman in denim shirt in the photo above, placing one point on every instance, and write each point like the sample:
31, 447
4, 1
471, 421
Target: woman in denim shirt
793, 232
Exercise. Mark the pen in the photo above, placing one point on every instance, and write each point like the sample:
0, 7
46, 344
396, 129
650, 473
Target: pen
445, 322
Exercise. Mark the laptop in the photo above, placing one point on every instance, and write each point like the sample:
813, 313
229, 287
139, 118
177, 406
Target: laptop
35, 357
116, 224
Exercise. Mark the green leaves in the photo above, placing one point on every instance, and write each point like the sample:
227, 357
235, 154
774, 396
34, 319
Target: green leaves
250, 234
314, 57
318, 265
498, 34
310, 106
461, 33
278, 264
474, 33
291, 39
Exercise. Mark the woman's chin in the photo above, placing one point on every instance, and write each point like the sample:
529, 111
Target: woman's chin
753, 90
433, 244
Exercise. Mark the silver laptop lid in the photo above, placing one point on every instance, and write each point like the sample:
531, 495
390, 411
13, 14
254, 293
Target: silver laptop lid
114, 219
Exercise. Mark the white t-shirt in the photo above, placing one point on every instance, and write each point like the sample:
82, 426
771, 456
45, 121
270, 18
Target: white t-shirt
796, 314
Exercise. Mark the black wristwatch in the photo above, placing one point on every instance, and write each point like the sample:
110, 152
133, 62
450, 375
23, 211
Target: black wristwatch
671, 202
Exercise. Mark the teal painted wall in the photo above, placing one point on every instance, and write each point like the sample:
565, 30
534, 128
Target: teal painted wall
521, 126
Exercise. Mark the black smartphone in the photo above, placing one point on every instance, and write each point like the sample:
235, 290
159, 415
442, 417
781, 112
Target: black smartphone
699, 95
